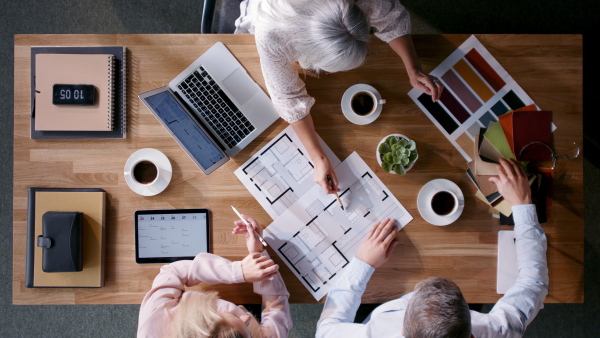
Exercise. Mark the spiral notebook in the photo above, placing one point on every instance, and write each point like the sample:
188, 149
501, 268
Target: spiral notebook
89, 69
119, 130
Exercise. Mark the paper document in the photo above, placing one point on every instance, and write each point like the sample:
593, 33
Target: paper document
317, 239
281, 172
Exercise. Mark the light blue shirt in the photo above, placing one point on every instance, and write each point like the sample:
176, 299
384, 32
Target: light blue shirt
508, 318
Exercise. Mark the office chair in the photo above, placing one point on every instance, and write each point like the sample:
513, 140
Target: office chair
218, 16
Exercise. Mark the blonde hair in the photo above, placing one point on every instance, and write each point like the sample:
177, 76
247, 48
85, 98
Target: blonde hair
197, 316
328, 35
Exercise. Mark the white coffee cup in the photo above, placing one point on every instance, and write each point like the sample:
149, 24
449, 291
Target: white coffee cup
444, 203
361, 104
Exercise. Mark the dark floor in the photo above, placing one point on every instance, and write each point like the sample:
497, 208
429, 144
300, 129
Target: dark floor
183, 16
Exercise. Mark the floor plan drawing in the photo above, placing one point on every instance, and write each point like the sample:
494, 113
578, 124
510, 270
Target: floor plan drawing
280, 173
317, 239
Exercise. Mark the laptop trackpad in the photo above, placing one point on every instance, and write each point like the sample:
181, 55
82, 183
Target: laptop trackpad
240, 85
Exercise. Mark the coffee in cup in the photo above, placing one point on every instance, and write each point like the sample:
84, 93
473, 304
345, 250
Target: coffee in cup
444, 203
145, 172
363, 103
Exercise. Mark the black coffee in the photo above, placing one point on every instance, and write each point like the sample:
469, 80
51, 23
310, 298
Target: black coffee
145, 172
442, 203
362, 103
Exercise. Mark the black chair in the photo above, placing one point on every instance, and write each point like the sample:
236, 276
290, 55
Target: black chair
218, 16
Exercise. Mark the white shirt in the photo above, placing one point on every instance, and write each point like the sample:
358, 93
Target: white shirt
508, 318
287, 90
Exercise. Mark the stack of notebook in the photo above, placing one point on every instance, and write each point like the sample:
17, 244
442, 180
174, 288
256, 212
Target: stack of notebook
92, 204
523, 135
104, 68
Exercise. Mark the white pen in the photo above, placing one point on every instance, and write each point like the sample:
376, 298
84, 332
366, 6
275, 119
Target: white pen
248, 225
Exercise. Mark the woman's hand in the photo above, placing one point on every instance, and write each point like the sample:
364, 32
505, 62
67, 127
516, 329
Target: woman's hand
252, 241
324, 175
256, 267
426, 83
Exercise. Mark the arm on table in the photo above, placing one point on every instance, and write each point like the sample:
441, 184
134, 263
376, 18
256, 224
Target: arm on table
276, 318
344, 298
513, 312
305, 128
404, 47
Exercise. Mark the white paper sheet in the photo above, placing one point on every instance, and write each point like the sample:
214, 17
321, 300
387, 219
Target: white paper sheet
317, 239
281, 172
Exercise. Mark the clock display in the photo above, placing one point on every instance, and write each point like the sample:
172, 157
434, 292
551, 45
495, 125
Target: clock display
69, 94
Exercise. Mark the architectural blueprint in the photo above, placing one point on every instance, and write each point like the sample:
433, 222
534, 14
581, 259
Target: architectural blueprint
317, 239
281, 172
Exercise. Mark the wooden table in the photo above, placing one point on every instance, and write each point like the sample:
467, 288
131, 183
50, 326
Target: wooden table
548, 67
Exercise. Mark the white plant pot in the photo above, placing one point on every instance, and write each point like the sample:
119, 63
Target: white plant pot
378, 155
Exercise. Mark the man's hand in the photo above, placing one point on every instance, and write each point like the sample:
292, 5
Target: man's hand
512, 183
323, 169
252, 242
257, 267
379, 243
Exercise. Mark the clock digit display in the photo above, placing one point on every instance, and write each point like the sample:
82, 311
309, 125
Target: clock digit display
78, 95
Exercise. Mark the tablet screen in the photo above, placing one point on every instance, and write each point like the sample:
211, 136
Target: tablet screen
164, 236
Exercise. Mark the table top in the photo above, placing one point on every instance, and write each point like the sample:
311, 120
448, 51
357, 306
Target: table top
547, 67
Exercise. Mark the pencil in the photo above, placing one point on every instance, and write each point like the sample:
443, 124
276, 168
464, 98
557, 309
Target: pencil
330, 182
248, 225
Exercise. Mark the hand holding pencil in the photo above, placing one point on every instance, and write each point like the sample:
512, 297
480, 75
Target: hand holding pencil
248, 226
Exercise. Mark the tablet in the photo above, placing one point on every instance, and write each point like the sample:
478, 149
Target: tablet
165, 236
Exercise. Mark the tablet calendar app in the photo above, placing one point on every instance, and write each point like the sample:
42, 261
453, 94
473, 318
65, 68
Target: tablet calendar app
172, 235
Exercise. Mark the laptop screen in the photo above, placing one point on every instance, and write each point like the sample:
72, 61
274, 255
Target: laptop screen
199, 146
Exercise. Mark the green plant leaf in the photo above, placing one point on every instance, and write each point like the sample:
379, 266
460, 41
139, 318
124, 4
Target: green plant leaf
413, 157
399, 169
391, 140
411, 145
402, 142
405, 161
388, 158
384, 148
385, 166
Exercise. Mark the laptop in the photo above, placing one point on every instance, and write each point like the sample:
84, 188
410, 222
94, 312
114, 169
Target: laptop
213, 108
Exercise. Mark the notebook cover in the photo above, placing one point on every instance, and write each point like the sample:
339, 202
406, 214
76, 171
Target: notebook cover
119, 114
532, 126
496, 136
89, 69
90, 201
508, 271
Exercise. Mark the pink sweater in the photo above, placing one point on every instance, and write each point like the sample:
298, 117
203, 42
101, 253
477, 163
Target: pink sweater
168, 289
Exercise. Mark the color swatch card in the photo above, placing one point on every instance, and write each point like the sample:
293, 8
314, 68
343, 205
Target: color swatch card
477, 90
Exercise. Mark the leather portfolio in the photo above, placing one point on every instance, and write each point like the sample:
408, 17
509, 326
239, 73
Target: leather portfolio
61, 241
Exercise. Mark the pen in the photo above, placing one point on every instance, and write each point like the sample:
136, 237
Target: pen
248, 225
330, 182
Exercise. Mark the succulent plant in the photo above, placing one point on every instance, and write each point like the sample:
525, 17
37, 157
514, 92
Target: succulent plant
397, 154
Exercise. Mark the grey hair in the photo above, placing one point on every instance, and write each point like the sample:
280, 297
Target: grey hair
437, 309
327, 35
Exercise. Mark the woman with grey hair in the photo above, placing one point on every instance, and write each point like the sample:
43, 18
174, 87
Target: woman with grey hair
323, 36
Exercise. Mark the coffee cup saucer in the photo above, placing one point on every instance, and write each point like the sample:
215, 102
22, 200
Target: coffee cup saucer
347, 110
164, 172
426, 194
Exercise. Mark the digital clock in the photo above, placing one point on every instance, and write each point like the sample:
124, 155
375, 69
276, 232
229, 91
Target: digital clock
77, 95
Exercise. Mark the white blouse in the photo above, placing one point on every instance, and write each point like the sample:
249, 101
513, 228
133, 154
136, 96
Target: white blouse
287, 90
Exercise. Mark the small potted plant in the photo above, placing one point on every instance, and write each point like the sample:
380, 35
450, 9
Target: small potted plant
396, 153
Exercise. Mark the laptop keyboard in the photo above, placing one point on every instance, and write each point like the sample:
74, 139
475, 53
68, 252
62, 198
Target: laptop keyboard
215, 107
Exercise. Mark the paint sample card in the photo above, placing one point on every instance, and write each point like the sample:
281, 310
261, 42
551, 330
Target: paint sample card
477, 90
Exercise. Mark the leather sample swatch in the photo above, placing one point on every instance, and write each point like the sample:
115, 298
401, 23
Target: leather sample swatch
532, 126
